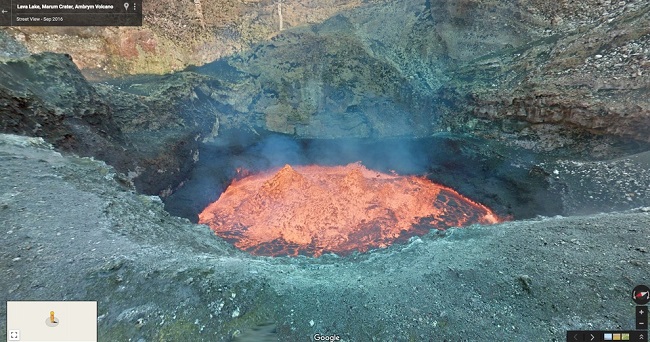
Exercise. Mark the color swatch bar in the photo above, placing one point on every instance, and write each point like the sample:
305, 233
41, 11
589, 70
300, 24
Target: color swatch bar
617, 337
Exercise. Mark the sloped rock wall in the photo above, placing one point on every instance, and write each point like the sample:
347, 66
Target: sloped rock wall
145, 137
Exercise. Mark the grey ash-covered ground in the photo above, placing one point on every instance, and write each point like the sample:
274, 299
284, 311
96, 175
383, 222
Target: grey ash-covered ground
70, 231
592, 186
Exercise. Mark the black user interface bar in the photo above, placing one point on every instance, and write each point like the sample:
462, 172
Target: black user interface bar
642, 317
70, 12
602, 336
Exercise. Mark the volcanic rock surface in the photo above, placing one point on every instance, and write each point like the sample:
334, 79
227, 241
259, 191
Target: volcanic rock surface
339, 209
567, 79
146, 136
567, 76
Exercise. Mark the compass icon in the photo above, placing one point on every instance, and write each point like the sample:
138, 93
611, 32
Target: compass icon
641, 295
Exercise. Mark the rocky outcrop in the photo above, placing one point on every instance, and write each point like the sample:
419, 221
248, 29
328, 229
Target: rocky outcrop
557, 91
375, 71
328, 85
45, 95
150, 136
573, 81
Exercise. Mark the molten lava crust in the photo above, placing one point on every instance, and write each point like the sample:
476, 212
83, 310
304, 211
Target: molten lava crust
313, 210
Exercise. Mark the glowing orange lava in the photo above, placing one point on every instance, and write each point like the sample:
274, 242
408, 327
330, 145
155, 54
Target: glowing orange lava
313, 210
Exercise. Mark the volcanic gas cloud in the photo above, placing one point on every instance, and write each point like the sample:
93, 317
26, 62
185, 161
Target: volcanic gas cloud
312, 210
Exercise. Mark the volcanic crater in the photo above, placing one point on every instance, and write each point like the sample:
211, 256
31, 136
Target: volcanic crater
281, 196
345, 137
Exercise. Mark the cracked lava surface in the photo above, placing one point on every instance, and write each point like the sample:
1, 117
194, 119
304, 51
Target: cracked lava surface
311, 210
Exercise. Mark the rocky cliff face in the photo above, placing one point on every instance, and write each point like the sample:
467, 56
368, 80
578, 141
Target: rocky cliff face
144, 137
42, 95
574, 80
176, 34
569, 78
559, 90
